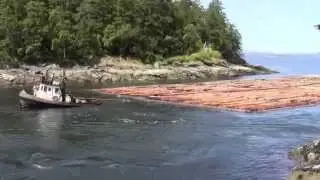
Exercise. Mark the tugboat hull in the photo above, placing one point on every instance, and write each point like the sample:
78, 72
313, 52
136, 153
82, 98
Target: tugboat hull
27, 100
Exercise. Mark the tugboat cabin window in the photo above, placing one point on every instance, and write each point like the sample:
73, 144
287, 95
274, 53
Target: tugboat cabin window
48, 92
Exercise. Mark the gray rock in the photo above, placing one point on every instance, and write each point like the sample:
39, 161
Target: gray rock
307, 153
52, 66
112, 70
8, 77
156, 65
307, 159
193, 64
312, 156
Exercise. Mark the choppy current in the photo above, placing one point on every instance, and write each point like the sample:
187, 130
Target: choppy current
127, 139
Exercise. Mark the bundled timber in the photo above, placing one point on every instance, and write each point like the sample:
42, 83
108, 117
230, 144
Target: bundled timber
237, 95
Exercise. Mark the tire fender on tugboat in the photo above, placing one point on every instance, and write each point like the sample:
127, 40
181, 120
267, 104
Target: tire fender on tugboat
55, 98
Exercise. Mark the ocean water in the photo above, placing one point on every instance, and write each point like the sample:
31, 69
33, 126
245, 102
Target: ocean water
129, 139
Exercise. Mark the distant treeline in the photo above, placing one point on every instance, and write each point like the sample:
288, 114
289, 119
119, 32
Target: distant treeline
81, 31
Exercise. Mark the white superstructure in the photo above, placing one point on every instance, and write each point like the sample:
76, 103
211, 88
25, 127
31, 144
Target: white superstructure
49, 92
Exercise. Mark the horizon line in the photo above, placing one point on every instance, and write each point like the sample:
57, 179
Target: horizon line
280, 53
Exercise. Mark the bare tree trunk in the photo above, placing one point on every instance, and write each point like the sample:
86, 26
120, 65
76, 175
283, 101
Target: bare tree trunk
64, 53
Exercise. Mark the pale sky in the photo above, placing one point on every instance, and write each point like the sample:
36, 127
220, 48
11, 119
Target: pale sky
277, 26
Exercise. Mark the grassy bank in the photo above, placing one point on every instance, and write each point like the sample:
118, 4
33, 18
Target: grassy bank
206, 56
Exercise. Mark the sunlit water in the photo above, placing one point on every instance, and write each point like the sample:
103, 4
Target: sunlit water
126, 139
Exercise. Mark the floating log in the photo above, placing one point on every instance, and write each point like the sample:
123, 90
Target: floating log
255, 95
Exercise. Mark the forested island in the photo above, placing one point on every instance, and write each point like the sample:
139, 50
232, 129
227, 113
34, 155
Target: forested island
82, 32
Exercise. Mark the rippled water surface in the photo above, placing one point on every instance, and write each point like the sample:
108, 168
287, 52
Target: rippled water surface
125, 139
131, 140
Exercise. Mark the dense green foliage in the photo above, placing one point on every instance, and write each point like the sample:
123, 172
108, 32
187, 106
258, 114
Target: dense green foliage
81, 31
206, 56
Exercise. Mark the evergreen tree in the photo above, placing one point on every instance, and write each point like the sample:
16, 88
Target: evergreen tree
82, 31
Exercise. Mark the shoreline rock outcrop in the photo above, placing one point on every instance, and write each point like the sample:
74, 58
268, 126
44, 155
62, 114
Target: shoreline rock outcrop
111, 71
307, 159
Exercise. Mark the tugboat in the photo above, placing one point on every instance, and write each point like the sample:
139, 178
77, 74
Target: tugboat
52, 94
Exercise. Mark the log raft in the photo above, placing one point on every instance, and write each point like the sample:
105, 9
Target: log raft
257, 95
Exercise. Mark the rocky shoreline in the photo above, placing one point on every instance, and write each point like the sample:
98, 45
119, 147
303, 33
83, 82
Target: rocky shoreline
115, 70
307, 159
